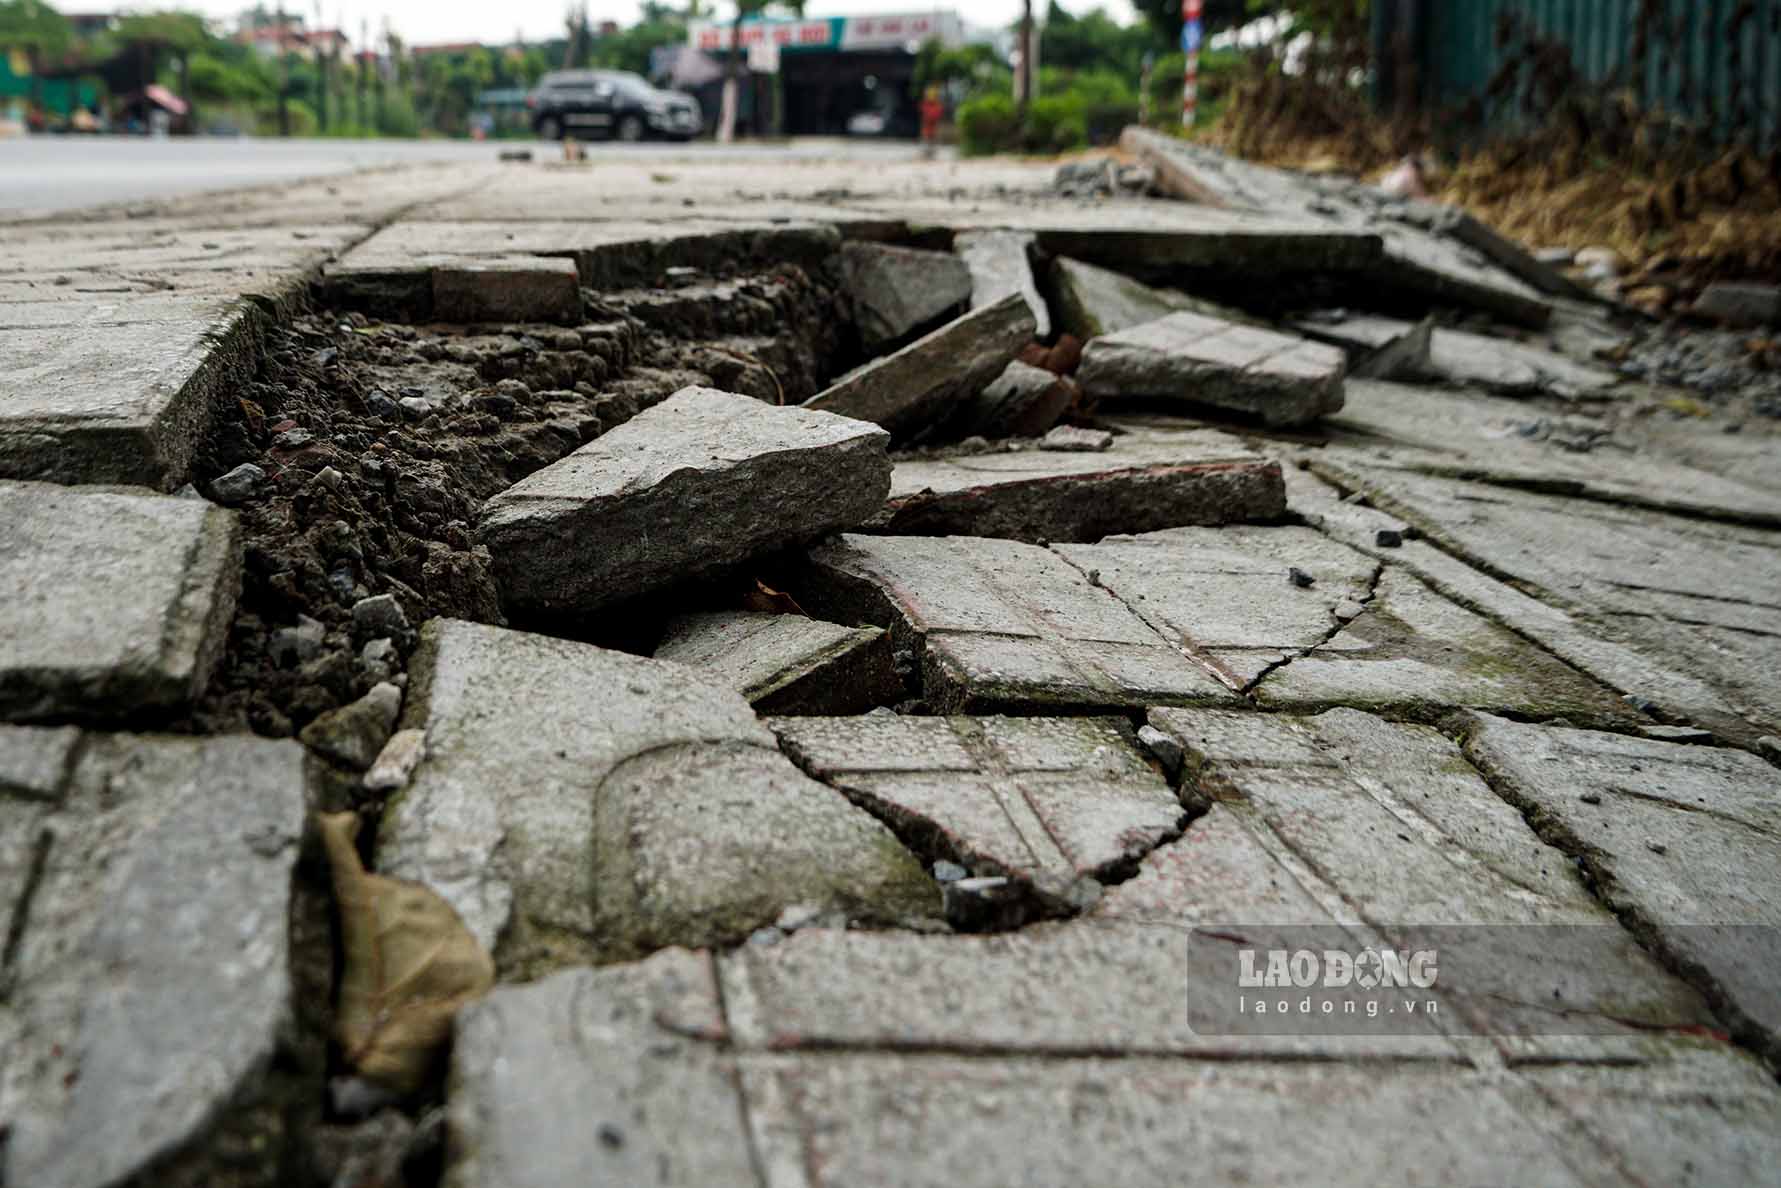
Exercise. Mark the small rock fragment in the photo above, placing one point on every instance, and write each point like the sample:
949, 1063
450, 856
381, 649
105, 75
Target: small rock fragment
1168, 752
239, 485
397, 761
1073, 439
296, 644
379, 615
1387, 538
1300, 578
354, 734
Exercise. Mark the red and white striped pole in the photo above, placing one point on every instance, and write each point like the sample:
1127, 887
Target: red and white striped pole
1190, 43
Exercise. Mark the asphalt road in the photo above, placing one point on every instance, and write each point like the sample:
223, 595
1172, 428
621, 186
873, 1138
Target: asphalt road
45, 174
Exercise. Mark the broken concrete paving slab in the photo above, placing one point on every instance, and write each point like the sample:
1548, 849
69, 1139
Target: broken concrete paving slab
943, 1120
1059, 805
398, 259
690, 487
1675, 589
128, 405
578, 805
1413, 652
602, 1075
898, 292
1683, 841
1223, 595
1204, 361
1094, 301
924, 383
1393, 820
999, 625
508, 289
1493, 363
1001, 264
787, 664
1617, 666
112, 603
1200, 477
149, 988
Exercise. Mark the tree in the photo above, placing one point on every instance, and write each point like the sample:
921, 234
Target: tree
38, 31
1095, 41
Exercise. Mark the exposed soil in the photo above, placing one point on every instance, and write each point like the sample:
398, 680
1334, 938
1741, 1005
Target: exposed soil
380, 442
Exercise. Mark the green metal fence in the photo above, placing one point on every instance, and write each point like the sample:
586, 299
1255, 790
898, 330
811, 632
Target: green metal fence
1714, 62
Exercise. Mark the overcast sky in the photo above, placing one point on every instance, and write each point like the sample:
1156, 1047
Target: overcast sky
422, 21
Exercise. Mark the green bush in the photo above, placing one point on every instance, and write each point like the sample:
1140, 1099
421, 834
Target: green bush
1055, 124
395, 114
988, 124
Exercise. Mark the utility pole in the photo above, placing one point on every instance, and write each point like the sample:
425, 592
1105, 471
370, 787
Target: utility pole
1191, 32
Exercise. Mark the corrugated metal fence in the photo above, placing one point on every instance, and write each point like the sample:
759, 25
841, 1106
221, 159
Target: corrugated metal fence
1714, 62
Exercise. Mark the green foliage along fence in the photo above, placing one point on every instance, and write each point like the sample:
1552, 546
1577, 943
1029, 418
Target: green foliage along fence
1714, 63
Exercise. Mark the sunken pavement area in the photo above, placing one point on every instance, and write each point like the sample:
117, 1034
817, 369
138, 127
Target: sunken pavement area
859, 652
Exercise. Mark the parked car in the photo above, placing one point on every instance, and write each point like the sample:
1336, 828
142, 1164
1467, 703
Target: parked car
610, 103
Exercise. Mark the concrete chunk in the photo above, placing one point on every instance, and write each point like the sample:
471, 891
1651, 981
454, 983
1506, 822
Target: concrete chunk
590, 1076
1684, 840
912, 389
898, 292
126, 404
1201, 360
1001, 263
111, 603
1199, 477
698, 483
1053, 803
787, 664
1024, 401
1097, 301
150, 985
508, 289
582, 805
997, 625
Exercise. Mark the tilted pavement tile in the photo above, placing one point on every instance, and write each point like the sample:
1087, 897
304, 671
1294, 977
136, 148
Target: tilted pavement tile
999, 625
1191, 358
924, 383
692, 486
1685, 841
1056, 804
1225, 595
1095, 301
1393, 819
1001, 263
578, 805
608, 1076
1614, 664
148, 984
1203, 477
898, 291
126, 403
112, 603
787, 664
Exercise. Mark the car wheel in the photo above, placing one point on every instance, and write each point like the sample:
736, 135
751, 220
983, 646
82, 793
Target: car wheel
550, 128
630, 129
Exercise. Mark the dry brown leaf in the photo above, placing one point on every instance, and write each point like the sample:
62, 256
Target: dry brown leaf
409, 965
774, 602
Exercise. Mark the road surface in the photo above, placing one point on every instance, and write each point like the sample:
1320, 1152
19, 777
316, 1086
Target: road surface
46, 174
